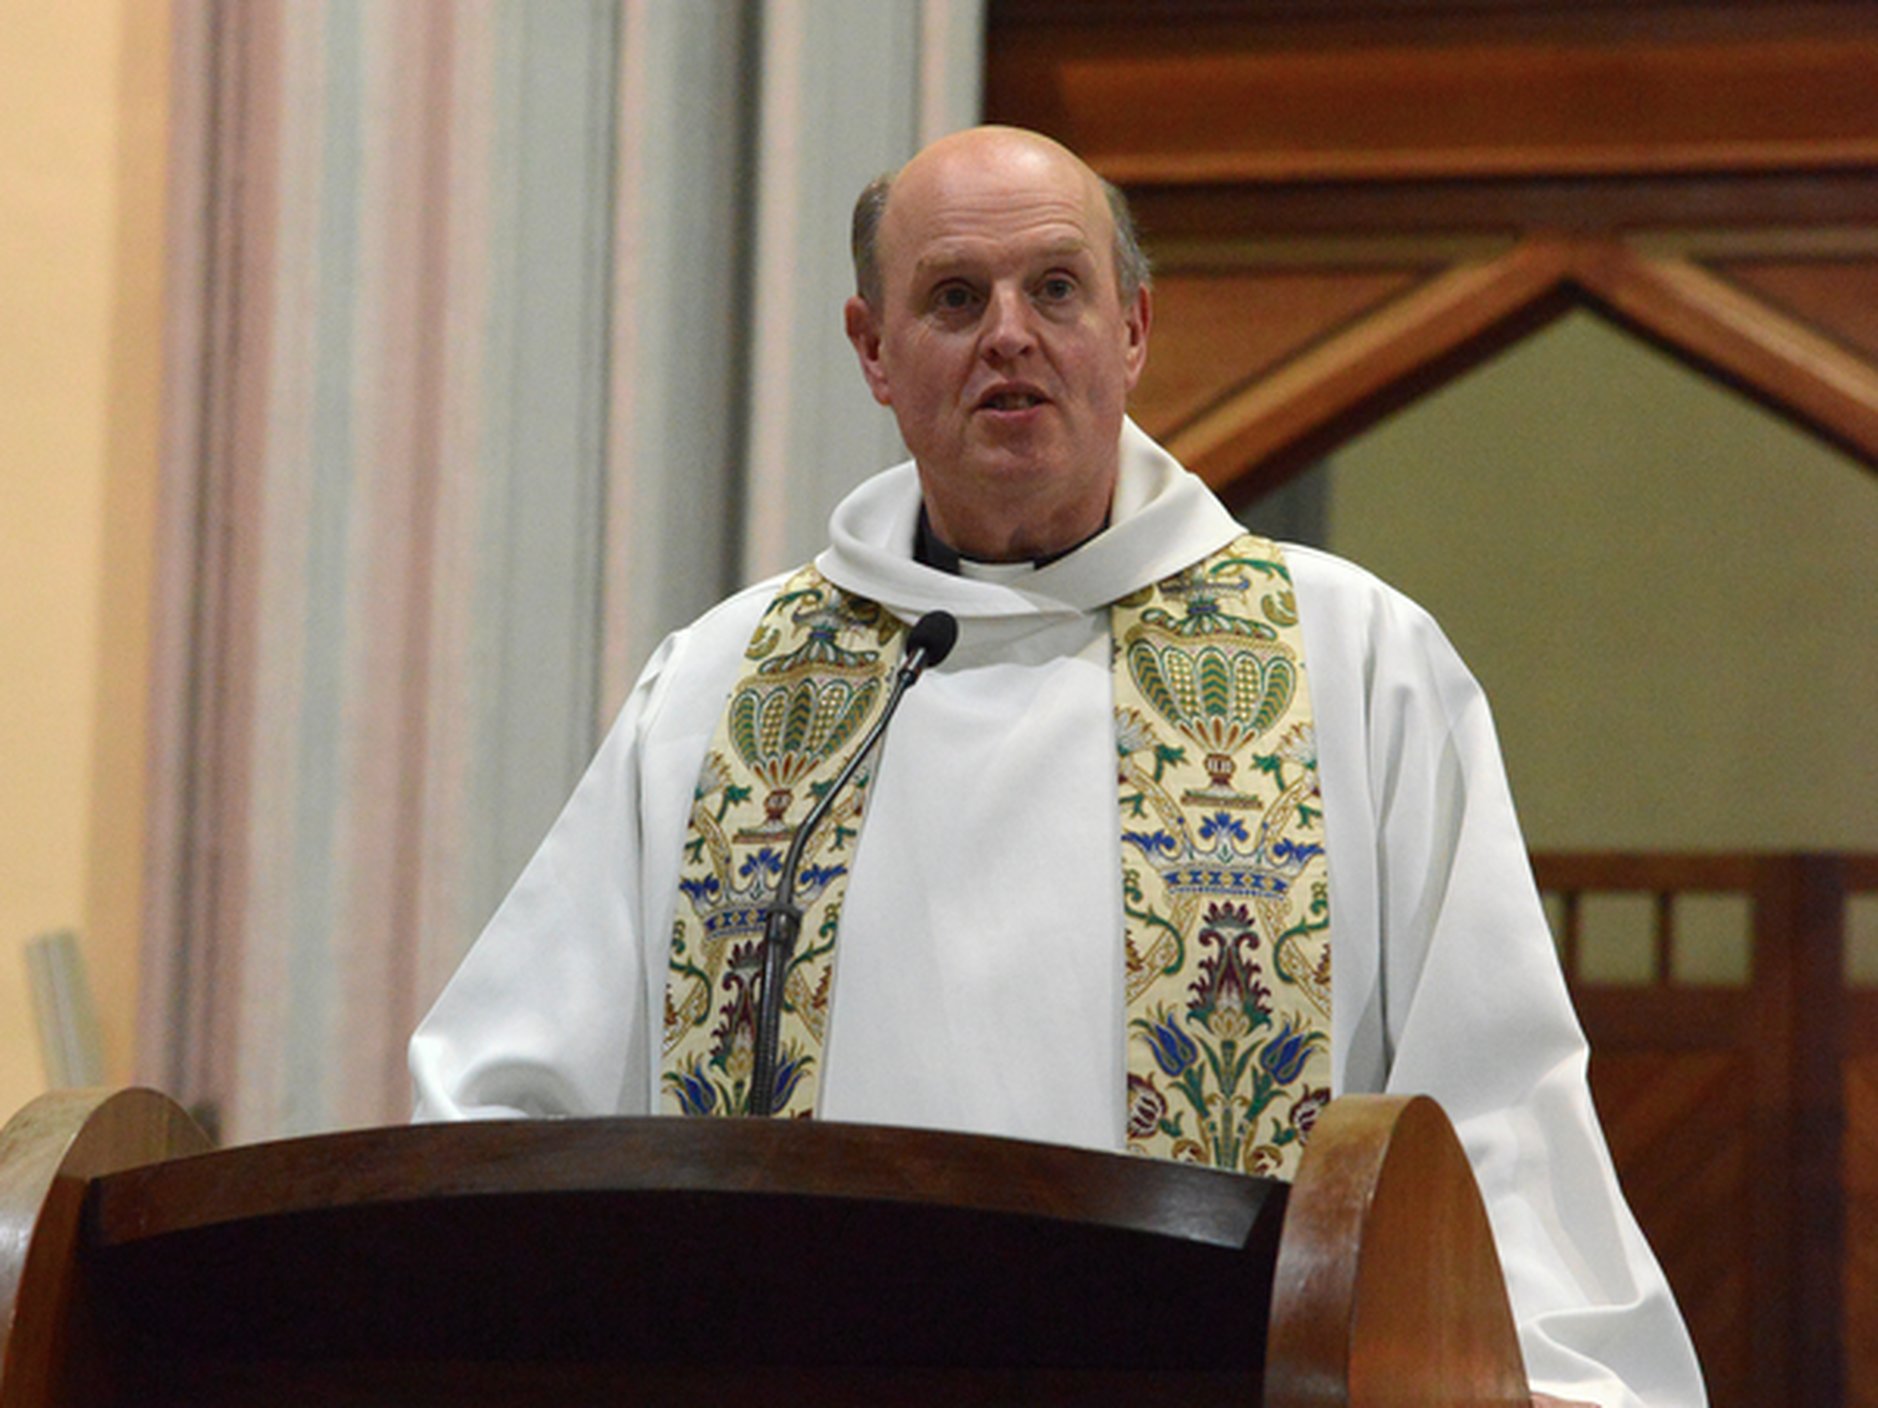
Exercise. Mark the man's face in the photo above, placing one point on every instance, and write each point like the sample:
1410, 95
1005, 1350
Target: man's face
1002, 342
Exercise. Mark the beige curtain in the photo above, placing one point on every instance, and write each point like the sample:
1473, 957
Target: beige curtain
504, 337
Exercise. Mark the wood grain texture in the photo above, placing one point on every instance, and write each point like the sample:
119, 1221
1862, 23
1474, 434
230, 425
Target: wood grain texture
1860, 1325
400, 1165
49, 1153
1392, 93
1785, 206
1421, 1318
1233, 326
1684, 1142
1837, 297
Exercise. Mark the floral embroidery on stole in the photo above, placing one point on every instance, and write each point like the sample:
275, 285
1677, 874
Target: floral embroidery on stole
1224, 879
1224, 888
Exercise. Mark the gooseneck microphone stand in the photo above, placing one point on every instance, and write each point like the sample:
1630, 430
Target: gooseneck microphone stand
929, 642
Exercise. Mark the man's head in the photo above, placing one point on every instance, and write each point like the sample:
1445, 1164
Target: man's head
1003, 316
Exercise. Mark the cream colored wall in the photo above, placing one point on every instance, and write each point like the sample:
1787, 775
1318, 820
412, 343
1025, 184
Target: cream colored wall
1669, 594
82, 117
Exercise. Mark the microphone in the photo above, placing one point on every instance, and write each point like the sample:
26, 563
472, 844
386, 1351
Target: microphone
928, 643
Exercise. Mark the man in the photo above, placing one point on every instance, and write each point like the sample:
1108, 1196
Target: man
1082, 895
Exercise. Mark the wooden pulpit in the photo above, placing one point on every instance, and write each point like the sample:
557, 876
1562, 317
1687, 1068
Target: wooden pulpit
666, 1261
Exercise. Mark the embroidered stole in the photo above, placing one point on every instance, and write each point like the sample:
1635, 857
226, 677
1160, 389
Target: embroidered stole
1224, 890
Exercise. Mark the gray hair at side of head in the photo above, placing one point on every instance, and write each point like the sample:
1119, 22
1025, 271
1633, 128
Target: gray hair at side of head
1132, 270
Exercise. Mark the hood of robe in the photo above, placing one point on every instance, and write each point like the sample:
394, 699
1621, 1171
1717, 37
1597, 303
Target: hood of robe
1163, 519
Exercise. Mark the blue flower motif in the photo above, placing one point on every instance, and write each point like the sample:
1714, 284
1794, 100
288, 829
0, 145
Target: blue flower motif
1284, 1055
695, 1094
696, 890
814, 877
764, 860
790, 1068
1152, 842
1172, 1048
1298, 851
1222, 824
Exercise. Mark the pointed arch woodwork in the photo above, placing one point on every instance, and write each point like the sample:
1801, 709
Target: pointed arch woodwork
1259, 430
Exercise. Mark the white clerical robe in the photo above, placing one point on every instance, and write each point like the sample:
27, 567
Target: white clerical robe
978, 977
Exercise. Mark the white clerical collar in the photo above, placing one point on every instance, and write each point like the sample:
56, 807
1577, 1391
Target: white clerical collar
1162, 519
1009, 573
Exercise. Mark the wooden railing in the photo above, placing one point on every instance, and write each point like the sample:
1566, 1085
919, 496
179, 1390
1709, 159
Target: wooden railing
1744, 1116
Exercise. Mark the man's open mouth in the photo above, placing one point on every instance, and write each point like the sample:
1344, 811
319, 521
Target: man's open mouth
1010, 401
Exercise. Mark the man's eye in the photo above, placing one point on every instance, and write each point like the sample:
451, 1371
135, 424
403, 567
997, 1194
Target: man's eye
953, 298
1056, 288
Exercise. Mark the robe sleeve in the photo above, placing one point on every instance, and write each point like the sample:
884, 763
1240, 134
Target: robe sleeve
1478, 1015
547, 1014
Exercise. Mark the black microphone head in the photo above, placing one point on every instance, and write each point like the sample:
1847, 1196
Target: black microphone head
935, 634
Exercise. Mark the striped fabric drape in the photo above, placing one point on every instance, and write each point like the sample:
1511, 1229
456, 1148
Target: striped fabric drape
504, 337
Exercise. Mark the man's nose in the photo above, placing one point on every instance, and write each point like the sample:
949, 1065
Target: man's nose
1008, 331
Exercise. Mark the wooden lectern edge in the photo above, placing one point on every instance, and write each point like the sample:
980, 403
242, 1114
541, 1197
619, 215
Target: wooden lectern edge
1386, 1176
49, 1152
660, 1154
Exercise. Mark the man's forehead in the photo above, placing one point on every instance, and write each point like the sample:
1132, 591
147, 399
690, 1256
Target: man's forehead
989, 217
957, 250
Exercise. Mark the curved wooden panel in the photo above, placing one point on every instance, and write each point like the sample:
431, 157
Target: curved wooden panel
1388, 1175
49, 1153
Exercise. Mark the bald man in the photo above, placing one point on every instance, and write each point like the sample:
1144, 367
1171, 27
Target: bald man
1189, 831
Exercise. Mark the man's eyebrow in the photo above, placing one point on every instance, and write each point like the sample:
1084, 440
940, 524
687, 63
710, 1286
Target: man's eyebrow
943, 259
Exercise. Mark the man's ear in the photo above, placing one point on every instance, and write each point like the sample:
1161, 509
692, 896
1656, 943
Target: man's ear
1136, 318
864, 333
